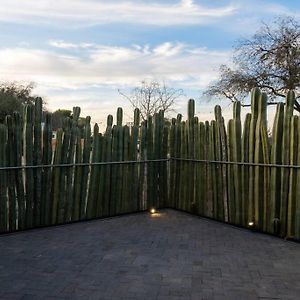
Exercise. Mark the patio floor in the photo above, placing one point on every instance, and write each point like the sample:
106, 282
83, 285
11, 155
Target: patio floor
172, 255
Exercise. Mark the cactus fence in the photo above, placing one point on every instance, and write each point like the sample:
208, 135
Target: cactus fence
244, 176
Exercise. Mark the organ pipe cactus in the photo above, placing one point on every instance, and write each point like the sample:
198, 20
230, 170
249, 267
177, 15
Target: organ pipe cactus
17, 140
56, 176
292, 195
245, 170
237, 135
46, 175
11, 174
275, 180
3, 180
288, 112
28, 160
70, 160
85, 169
37, 160
259, 183
255, 98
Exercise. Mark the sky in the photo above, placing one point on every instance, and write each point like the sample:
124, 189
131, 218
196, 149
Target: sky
80, 52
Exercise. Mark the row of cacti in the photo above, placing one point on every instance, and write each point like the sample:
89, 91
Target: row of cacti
194, 179
70, 181
250, 194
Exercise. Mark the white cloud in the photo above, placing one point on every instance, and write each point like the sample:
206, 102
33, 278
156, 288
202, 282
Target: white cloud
64, 45
88, 76
112, 65
93, 12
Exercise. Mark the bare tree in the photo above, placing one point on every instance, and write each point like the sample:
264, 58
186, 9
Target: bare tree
151, 97
269, 60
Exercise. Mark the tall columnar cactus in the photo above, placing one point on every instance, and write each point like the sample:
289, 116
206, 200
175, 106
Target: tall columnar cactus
134, 144
150, 156
70, 160
126, 205
275, 180
288, 112
172, 153
77, 178
28, 161
230, 172
297, 204
266, 173
221, 155
224, 157
259, 183
86, 169
46, 176
156, 155
105, 174
17, 132
216, 209
197, 149
245, 170
190, 190
177, 154
209, 200
292, 195
143, 168
11, 174
56, 191
91, 209
3, 180
37, 160
185, 168
237, 149
202, 175
161, 166
164, 169
255, 99
117, 155
63, 173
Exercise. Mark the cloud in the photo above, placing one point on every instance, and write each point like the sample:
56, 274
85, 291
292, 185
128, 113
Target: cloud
94, 12
63, 74
111, 65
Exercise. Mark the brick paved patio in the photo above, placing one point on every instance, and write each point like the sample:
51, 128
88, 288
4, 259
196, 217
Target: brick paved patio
170, 256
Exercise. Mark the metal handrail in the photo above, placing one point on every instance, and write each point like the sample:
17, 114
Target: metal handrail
240, 163
84, 164
205, 161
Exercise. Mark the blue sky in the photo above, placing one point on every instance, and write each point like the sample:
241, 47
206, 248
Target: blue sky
79, 52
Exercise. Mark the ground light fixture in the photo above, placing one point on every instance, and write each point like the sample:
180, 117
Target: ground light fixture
152, 211
251, 224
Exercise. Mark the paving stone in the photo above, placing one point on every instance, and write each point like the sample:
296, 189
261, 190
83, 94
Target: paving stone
172, 256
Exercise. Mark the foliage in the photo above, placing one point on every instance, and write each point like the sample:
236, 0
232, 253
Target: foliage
270, 60
13, 96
